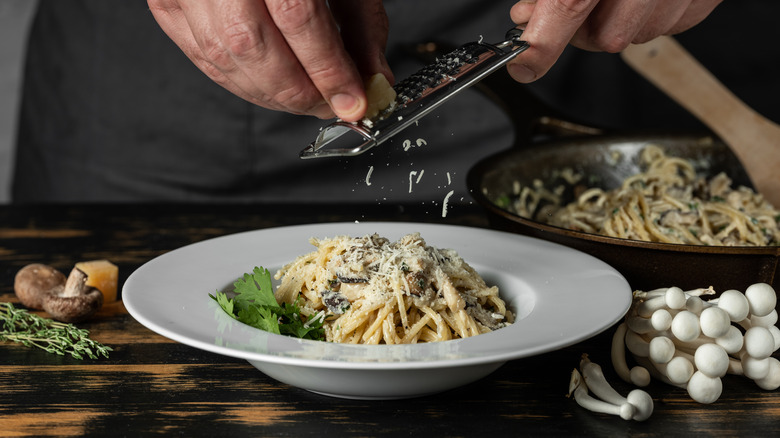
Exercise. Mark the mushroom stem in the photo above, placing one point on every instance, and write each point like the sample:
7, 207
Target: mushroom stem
75, 284
579, 388
619, 353
637, 406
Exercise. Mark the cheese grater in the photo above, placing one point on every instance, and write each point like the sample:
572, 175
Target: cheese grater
417, 96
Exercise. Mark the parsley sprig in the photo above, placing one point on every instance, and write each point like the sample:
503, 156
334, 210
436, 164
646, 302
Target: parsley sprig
18, 325
254, 304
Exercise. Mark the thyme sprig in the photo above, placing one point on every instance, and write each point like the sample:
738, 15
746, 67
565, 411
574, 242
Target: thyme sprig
18, 325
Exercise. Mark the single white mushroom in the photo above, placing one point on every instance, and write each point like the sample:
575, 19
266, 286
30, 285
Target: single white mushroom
759, 342
762, 299
679, 370
694, 304
640, 401
712, 360
772, 379
685, 326
768, 320
754, 369
639, 376
732, 341
661, 349
703, 388
735, 304
675, 298
714, 322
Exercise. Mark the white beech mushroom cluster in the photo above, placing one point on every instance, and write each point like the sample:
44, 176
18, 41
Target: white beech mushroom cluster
684, 340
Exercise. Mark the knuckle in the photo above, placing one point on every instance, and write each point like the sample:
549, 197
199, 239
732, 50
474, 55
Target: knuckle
292, 16
243, 39
613, 43
239, 41
572, 9
214, 53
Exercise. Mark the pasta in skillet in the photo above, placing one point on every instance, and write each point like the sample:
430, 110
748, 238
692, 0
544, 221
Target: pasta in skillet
666, 203
373, 291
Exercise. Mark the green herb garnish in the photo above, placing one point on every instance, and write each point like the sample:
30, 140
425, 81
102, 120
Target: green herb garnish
18, 325
254, 304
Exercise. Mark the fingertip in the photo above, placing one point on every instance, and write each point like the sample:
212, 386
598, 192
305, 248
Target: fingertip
522, 73
348, 107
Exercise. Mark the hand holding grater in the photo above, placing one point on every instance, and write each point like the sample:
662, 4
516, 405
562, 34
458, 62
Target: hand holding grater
417, 96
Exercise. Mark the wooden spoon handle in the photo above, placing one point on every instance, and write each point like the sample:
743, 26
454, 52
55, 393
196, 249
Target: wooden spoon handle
754, 139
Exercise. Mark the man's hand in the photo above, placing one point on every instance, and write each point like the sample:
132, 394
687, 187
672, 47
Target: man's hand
298, 56
606, 25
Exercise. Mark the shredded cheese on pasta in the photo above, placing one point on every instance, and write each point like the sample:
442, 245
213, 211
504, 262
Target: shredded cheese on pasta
373, 291
666, 203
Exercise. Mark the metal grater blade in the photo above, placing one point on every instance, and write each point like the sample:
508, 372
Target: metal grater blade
417, 96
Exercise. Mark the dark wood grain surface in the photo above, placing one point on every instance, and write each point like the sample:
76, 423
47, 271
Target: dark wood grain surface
153, 386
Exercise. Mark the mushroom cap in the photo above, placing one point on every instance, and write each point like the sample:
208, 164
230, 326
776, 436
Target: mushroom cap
714, 322
34, 281
694, 304
642, 403
704, 389
675, 298
661, 320
679, 370
762, 298
685, 326
732, 341
711, 359
755, 369
772, 380
759, 342
639, 376
661, 349
72, 309
735, 304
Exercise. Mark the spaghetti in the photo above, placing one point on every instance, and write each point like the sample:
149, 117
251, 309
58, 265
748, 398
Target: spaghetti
369, 290
666, 203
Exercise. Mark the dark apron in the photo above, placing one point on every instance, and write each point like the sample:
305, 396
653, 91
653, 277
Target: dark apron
113, 111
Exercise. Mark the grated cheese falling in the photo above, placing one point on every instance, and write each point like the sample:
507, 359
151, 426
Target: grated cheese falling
445, 204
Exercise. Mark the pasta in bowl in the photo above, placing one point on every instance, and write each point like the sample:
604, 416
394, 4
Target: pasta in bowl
599, 195
666, 202
369, 290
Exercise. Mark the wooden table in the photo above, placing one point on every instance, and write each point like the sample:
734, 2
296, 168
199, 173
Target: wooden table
150, 385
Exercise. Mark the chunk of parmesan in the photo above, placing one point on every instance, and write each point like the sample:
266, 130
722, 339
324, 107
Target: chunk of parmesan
380, 95
103, 276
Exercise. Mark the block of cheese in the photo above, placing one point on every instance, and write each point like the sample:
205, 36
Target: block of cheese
102, 275
380, 95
